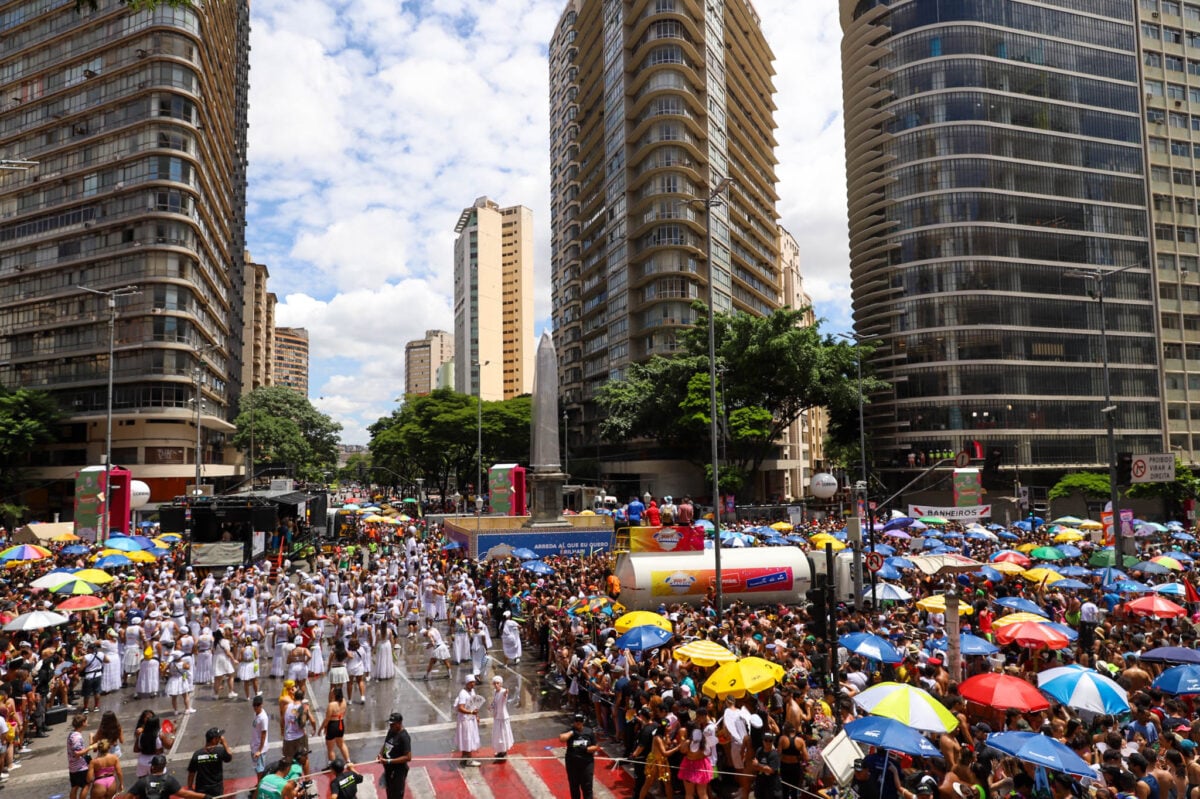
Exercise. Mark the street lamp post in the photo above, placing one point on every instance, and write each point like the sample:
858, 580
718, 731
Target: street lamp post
111, 296
479, 429
1097, 276
198, 376
862, 452
711, 201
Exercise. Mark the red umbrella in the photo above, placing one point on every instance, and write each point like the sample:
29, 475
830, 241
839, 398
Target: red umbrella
83, 602
1032, 635
1003, 691
1156, 606
1012, 556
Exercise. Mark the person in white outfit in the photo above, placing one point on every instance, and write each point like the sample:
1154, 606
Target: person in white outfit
179, 680
466, 732
481, 642
510, 638
437, 649
110, 678
502, 734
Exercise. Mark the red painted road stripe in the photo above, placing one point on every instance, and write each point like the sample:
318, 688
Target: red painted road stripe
552, 772
445, 776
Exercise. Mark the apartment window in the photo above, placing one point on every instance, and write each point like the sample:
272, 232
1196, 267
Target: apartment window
1160, 173
1154, 88
1181, 148
1173, 63
1187, 235
1152, 60
1170, 321
1185, 205
1171, 7
1166, 262
1158, 145
1151, 31
1167, 291
1189, 263
1172, 35
1191, 322
1193, 39
1176, 92
1173, 352
1182, 177
1191, 12
1164, 232
1178, 120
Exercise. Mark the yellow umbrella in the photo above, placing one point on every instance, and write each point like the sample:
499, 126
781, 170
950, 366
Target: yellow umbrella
820, 540
781, 526
748, 675
1088, 524
165, 543
374, 518
639, 618
1027, 548
1068, 535
1042, 575
1016, 618
96, 576
1004, 567
937, 604
704, 653
64, 538
588, 513
140, 556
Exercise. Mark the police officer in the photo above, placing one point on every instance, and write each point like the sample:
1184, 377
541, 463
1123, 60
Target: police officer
395, 755
206, 769
580, 759
345, 781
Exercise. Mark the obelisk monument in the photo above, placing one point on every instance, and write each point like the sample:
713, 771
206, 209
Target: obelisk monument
546, 478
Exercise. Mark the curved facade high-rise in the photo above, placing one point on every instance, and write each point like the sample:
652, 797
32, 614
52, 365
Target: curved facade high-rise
136, 122
994, 151
652, 102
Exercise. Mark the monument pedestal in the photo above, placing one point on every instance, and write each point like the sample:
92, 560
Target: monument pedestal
546, 489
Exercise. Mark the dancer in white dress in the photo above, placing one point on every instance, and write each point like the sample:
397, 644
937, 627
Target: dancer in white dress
110, 679
223, 669
316, 665
385, 664
204, 658
502, 734
466, 726
147, 679
510, 638
247, 667
179, 680
280, 642
437, 649
462, 638
481, 642
356, 670
133, 651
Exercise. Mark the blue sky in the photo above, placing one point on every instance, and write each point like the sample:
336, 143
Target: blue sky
371, 129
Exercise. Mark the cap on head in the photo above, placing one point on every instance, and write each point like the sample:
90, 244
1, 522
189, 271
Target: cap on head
578, 718
213, 733
396, 718
158, 762
337, 765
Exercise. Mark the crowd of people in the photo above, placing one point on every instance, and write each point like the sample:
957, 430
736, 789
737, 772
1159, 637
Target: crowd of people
167, 629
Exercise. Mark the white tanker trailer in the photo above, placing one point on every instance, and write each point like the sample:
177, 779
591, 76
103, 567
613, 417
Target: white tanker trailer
758, 576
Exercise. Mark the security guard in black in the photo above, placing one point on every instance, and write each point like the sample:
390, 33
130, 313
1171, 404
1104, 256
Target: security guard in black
206, 769
345, 780
580, 758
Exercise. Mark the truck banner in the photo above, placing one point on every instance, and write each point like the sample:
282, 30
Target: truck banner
666, 539
967, 514
696, 582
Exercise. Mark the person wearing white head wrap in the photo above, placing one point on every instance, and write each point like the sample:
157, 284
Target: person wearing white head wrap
510, 638
502, 734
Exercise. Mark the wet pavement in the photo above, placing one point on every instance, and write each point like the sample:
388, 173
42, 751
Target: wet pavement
427, 706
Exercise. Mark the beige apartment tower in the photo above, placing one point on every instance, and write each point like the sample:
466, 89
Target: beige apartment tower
653, 103
258, 328
424, 358
493, 301
291, 359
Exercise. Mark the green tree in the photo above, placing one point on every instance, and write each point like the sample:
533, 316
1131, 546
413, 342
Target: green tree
770, 371
1092, 484
356, 463
28, 421
434, 436
288, 432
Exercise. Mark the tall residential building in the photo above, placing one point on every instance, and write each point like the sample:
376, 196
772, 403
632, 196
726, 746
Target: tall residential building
423, 359
1169, 35
802, 448
137, 124
493, 301
652, 103
993, 151
291, 359
258, 328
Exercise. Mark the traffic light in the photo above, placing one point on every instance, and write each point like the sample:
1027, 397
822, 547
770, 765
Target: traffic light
818, 609
1124, 468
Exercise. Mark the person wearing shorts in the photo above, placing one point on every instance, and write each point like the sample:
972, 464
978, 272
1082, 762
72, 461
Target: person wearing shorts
259, 738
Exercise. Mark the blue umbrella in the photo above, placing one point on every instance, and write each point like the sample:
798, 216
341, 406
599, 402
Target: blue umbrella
537, 567
871, 647
1170, 589
143, 541
523, 553
643, 637
1149, 567
932, 543
899, 563
157, 552
112, 562
1070, 584
123, 543
953, 535
705, 523
76, 549
1179, 680
1183, 537
968, 645
976, 535
890, 735
988, 573
449, 545
1171, 654
933, 533
1075, 571
1023, 526
797, 539
1005, 535
1021, 604
903, 523
1084, 689
1129, 587
889, 573
885, 549
144, 525
1182, 557
777, 542
1040, 750
886, 592
1110, 575
1069, 632
1070, 551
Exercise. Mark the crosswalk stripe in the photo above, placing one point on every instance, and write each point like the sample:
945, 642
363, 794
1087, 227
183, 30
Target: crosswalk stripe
533, 783
476, 784
419, 783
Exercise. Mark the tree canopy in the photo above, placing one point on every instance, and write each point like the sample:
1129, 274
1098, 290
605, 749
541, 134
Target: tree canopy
434, 437
28, 420
1092, 484
771, 369
288, 432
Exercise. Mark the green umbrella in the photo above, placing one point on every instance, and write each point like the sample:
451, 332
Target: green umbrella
933, 520
1108, 557
1047, 553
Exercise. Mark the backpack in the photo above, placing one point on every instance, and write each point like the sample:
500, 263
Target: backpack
156, 787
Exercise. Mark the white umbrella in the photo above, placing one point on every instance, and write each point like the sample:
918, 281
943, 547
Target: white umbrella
52, 580
36, 621
889, 592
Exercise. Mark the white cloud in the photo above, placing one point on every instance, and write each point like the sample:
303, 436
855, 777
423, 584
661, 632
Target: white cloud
373, 125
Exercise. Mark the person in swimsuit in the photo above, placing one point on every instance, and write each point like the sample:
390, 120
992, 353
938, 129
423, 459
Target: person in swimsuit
104, 772
334, 726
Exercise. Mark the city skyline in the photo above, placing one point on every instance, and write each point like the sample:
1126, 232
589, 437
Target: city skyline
363, 265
